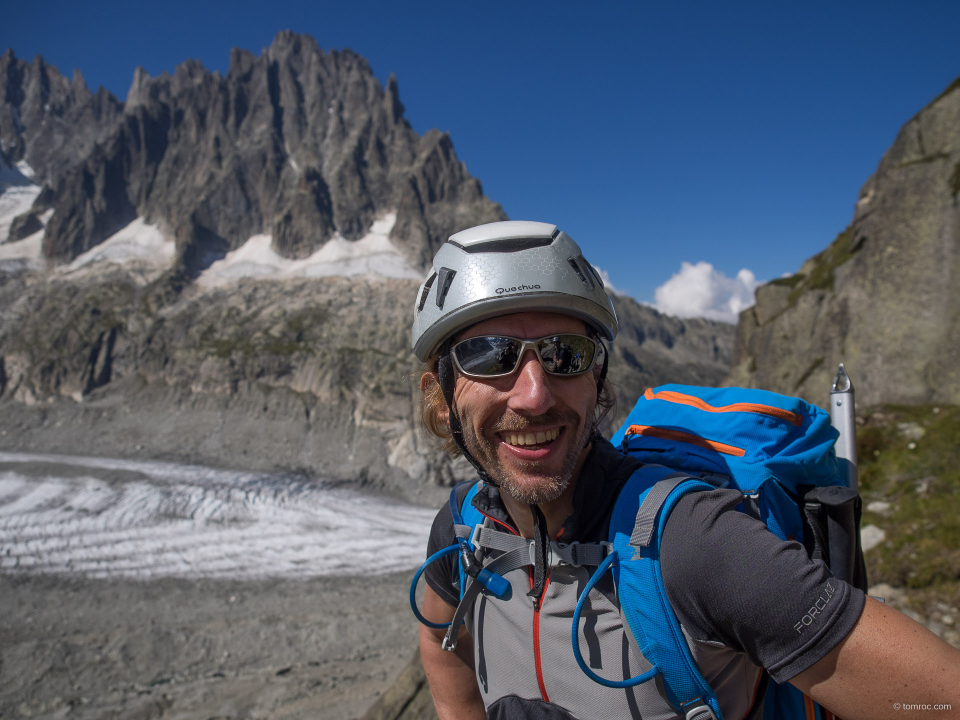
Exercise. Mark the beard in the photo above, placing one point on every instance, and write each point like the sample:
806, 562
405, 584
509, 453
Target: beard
530, 483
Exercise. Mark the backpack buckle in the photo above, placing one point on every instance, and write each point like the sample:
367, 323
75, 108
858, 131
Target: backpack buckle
564, 553
475, 537
700, 712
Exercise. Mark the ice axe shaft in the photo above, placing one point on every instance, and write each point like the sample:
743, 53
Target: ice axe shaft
843, 417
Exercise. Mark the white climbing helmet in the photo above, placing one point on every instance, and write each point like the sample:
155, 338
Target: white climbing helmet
502, 268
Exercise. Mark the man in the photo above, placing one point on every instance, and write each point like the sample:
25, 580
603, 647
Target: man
511, 326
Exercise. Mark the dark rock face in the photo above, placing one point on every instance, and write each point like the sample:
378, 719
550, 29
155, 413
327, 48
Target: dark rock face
882, 297
296, 143
24, 226
47, 120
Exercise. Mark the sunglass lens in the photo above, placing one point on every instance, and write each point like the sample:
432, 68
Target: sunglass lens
488, 355
566, 354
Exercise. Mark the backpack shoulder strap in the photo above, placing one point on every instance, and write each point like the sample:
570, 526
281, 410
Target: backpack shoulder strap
465, 516
636, 528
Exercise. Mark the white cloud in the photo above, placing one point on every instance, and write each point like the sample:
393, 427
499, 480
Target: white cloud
703, 291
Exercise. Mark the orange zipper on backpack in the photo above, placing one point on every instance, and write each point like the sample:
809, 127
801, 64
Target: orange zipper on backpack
681, 399
680, 436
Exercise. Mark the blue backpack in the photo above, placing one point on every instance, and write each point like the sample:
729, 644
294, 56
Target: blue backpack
776, 450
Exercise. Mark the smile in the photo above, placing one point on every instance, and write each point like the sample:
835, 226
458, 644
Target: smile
521, 439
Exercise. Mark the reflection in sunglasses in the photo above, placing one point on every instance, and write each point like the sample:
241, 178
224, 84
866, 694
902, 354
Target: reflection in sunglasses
496, 355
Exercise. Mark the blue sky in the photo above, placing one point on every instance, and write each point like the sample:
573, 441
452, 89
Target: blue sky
736, 134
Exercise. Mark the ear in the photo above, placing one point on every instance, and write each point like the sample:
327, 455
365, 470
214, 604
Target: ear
430, 385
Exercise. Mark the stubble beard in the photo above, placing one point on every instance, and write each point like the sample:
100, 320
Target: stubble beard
529, 485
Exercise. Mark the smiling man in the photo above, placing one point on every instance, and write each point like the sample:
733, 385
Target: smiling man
511, 326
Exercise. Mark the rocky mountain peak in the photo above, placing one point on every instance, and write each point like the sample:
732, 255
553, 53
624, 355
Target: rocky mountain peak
48, 120
296, 143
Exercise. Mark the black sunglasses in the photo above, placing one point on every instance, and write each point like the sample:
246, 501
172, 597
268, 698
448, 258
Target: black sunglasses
490, 356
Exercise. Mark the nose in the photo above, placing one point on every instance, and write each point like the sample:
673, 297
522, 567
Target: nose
531, 393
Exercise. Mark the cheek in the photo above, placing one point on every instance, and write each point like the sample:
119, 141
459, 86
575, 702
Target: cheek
581, 395
475, 400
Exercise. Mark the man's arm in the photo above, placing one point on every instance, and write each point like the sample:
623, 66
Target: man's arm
450, 674
888, 661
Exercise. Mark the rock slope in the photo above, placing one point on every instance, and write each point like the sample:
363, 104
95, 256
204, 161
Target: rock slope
882, 297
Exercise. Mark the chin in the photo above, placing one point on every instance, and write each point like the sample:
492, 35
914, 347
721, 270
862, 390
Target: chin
533, 490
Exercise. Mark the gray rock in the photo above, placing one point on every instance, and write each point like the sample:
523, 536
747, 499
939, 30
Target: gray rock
408, 698
882, 297
879, 506
48, 120
871, 536
24, 226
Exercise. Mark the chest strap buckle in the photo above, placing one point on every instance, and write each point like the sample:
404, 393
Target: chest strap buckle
577, 554
701, 712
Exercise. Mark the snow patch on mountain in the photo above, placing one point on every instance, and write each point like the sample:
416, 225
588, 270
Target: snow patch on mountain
17, 193
372, 255
22, 255
137, 241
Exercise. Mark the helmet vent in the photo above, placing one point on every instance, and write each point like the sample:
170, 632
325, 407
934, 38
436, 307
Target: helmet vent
504, 246
586, 277
445, 277
596, 275
426, 291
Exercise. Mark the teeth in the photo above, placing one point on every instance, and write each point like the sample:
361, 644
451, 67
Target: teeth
533, 438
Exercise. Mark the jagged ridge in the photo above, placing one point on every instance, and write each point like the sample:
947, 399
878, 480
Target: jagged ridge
296, 143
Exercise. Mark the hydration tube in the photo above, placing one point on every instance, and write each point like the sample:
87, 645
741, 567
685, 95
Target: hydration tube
607, 563
496, 584
416, 578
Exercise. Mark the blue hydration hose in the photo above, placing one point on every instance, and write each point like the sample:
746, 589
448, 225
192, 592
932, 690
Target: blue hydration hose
496, 584
607, 563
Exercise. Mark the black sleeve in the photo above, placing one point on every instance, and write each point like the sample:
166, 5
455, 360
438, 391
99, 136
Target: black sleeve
443, 575
731, 580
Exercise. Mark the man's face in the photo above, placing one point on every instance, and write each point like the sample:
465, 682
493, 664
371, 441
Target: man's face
529, 430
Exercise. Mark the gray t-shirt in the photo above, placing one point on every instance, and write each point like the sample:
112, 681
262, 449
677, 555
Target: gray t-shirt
728, 578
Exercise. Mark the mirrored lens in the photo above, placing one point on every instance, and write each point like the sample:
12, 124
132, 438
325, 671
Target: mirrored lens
493, 355
488, 355
566, 354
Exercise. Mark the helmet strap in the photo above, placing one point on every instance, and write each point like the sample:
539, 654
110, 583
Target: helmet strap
603, 368
447, 379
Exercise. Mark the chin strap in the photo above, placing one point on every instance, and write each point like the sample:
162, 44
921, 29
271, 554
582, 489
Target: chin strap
603, 368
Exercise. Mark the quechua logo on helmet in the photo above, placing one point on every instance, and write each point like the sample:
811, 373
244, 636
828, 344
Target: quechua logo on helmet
518, 288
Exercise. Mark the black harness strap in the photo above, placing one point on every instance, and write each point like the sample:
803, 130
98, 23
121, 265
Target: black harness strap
540, 541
